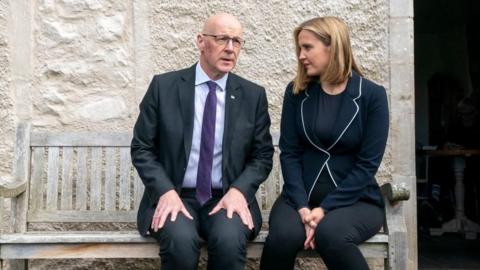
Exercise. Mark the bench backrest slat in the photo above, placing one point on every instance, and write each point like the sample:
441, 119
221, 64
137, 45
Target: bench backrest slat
84, 139
110, 179
36, 177
96, 178
138, 188
124, 178
52, 178
66, 197
81, 179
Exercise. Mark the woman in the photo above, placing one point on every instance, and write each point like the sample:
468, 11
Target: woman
334, 130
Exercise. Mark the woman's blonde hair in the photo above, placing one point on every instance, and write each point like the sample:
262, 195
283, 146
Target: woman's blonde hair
333, 33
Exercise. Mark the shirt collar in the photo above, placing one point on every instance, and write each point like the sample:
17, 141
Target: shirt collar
202, 77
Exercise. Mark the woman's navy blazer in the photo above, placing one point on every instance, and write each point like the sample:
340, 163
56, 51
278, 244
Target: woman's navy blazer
351, 161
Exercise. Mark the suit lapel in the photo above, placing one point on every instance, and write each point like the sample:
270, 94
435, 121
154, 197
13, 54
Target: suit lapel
348, 110
233, 101
186, 96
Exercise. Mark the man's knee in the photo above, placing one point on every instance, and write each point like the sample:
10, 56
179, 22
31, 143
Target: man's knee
178, 239
179, 245
231, 235
181, 239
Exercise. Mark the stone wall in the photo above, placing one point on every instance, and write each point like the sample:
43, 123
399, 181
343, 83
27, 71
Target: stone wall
84, 51
83, 65
268, 57
7, 126
90, 62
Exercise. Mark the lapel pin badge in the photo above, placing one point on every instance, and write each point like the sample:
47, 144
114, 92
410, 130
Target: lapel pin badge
232, 97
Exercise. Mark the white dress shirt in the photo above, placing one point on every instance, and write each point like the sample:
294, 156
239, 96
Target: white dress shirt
201, 92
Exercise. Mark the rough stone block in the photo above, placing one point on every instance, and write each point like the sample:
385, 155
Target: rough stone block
102, 108
110, 28
59, 32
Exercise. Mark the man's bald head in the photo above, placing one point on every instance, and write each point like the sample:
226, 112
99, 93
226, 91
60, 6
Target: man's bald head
222, 21
219, 44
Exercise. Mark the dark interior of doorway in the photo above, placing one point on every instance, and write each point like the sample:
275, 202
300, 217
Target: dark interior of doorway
447, 97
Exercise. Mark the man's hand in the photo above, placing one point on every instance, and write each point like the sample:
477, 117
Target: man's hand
234, 202
168, 204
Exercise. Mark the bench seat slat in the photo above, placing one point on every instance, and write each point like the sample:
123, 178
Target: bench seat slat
119, 245
113, 237
79, 251
132, 250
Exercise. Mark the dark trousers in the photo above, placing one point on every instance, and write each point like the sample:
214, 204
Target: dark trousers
180, 240
336, 236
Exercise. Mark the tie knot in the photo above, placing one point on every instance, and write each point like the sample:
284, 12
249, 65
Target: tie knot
212, 86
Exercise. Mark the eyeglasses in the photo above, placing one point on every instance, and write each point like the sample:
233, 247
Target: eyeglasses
224, 39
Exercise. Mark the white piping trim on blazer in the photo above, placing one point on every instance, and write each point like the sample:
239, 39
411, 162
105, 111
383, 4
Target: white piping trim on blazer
319, 148
339, 137
349, 123
331, 176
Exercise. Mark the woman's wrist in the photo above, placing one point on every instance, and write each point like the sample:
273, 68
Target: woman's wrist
304, 212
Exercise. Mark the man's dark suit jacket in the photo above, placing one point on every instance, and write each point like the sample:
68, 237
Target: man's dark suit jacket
163, 137
360, 133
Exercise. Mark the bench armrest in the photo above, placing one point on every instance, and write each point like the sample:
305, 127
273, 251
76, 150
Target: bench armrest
395, 224
12, 190
395, 192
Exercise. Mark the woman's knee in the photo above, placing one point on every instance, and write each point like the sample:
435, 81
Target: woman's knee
286, 236
328, 237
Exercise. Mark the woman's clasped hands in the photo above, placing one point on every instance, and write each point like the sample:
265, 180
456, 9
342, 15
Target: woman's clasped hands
310, 219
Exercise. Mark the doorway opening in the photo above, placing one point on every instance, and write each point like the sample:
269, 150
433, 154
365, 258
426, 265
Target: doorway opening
447, 130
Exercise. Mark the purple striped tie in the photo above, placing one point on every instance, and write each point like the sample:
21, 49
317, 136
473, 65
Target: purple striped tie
204, 173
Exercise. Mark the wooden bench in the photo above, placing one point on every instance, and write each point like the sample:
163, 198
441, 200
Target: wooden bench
88, 178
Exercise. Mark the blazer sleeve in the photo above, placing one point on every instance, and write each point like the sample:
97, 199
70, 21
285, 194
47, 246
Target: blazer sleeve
369, 156
291, 152
143, 146
259, 164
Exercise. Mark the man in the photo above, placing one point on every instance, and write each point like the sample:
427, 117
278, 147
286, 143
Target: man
202, 147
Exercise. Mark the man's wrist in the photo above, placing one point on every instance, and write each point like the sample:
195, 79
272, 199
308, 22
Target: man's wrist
235, 189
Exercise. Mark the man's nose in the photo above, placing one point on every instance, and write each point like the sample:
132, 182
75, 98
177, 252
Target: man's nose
229, 45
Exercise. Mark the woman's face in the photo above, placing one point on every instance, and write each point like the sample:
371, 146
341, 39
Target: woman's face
314, 55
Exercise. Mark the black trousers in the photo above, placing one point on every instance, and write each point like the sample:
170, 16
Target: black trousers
336, 236
180, 240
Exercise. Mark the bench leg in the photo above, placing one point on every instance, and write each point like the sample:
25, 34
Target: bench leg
14, 265
386, 264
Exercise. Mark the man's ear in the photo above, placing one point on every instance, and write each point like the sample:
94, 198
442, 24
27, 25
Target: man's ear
200, 42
